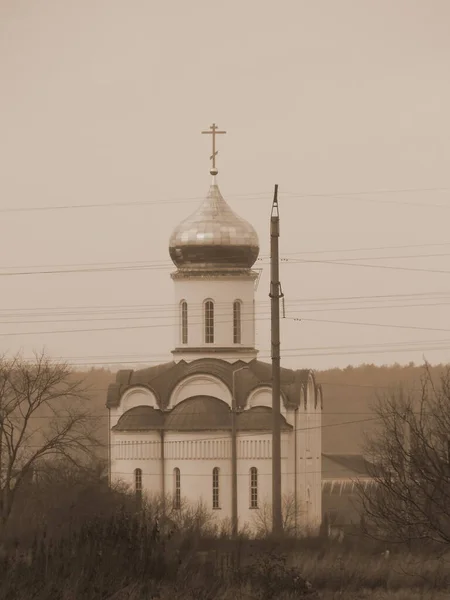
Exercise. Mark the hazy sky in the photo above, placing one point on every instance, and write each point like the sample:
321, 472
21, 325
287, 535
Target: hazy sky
339, 102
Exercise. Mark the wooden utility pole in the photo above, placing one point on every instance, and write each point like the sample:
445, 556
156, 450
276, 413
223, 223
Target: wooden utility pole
275, 295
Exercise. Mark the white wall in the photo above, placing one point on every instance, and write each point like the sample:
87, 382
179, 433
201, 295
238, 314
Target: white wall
135, 396
137, 450
223, 292
196, 454
204, 385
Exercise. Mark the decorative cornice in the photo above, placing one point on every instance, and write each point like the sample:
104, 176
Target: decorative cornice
215, 350
231, 274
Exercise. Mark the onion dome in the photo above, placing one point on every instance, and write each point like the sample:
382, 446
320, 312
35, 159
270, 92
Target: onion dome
214, 238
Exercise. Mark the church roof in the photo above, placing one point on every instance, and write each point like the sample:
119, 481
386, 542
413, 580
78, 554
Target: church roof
140, 418
344, 466
214, 237
162, 379
198, 413
258, 418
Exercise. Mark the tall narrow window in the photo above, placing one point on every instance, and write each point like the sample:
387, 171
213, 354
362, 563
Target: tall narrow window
184, 322
236, 322
253, 487
209, 322
215, 488
138, 481
177, 488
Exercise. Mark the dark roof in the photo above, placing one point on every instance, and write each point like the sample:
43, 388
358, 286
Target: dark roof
162, 379
258, 418
140, 418
198, 413
344, 466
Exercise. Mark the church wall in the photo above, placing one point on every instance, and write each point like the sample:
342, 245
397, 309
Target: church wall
204, 385
136, 396
263, 397
313, 451
196, 455
137, 450
256, 451
223, 292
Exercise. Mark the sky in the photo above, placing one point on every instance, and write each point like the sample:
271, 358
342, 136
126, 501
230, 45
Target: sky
342, 103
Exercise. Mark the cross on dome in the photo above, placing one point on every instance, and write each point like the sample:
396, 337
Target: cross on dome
213, 131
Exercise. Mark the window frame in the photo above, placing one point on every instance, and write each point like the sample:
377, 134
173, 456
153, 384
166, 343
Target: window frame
237, 322
184, 322
253, 488
138, 481
177, 488
216, 488
208, 317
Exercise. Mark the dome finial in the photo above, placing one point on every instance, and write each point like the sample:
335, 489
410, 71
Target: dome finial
213, 130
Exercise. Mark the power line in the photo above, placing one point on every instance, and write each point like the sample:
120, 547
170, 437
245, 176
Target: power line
262, 256
164, 265
365, 324
244, 435
249, 196
149, 326
143, 316
175, 306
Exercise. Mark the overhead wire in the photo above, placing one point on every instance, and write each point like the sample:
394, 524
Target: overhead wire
248, 196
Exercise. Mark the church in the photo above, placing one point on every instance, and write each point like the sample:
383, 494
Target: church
199, 427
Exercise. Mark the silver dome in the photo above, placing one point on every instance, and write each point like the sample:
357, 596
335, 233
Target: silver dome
214, 237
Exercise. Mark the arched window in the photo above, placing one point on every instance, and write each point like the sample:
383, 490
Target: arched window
184, 322
176, 488
215, 488
209, 322
138, 481
253, 487
236, 322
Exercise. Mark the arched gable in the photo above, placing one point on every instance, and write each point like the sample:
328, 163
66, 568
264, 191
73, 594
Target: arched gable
138, 396
319, 397
201, 384
311, 392
262, 396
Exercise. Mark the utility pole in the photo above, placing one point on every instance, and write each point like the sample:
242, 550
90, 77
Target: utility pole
234, 484
275, 295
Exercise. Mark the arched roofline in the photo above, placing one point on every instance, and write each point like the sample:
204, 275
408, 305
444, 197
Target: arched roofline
128, 391
193, 399
259, 387
319, 393
186, 379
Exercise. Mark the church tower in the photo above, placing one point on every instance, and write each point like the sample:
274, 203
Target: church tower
214, 251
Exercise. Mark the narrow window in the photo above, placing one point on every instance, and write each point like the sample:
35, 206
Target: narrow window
215, 489
177, 488
253, 487
236, 322
209, 322
138, 481
184, 322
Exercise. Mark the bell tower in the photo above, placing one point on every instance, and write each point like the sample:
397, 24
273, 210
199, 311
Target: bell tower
214, 251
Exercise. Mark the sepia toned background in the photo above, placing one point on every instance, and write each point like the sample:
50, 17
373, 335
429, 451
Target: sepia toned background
343, 104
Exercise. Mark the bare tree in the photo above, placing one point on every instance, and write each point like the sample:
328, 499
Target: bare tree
409, 463
291, 515
43, 414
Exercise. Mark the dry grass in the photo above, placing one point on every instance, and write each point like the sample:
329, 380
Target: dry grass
117, 556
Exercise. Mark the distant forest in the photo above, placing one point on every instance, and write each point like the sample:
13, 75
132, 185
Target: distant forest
349, 395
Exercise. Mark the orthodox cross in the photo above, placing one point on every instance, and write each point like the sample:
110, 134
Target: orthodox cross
213, 130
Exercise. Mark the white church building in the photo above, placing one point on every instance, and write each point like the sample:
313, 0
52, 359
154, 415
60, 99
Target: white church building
199, 427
